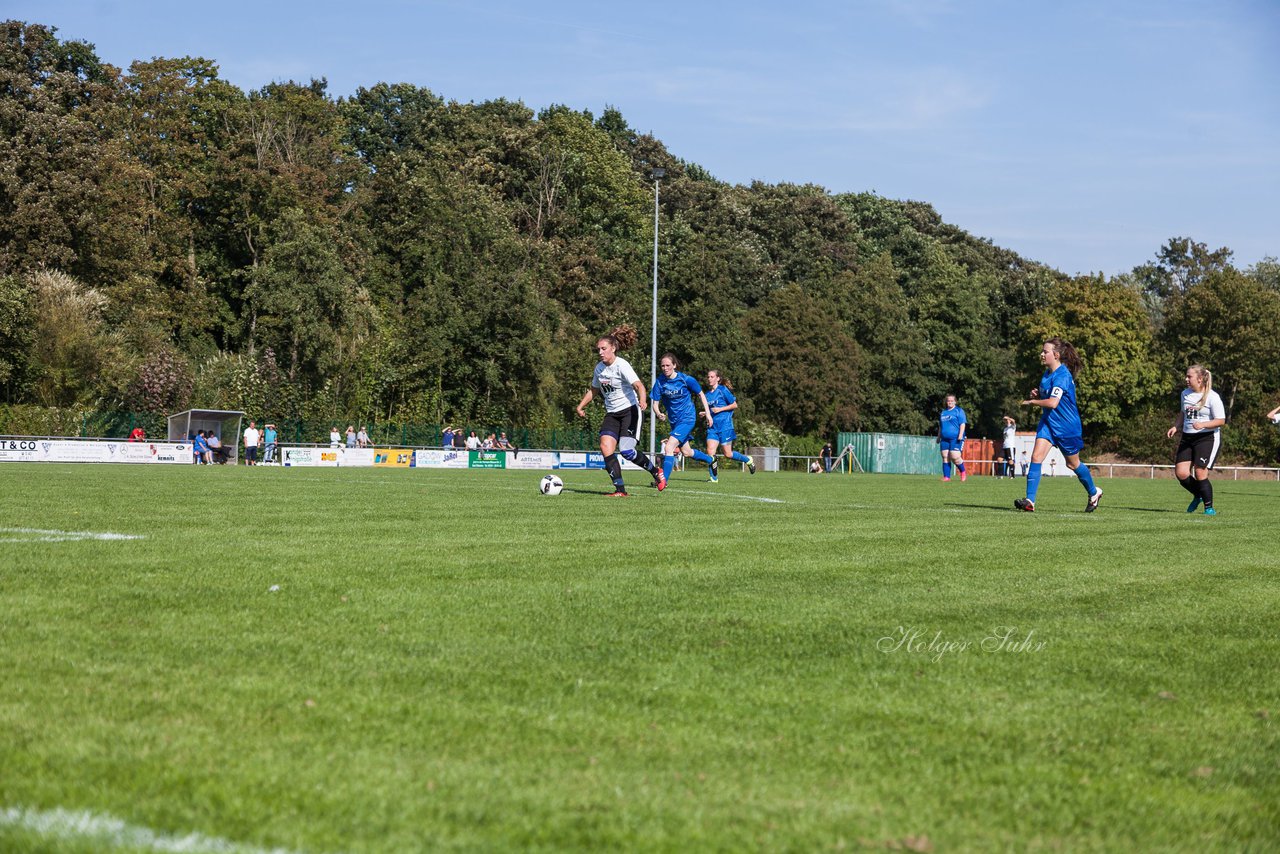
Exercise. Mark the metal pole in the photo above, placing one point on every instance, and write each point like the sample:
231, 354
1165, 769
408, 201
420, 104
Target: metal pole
653, 355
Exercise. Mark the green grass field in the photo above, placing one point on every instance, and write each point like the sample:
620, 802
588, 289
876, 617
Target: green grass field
778, 662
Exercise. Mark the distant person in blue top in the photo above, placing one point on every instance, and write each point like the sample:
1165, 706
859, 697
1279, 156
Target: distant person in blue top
675, 392
951, 429
720, 434
1059, 422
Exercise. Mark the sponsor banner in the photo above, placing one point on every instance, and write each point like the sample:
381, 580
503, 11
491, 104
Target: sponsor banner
400, 458
532, 460
426, 459
22, 451
487, 459
580, 460
70, 451
358, 457
326, 457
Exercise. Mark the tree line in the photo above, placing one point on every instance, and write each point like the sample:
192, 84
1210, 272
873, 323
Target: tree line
167, 239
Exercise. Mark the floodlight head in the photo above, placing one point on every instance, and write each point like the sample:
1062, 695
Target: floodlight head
658, 173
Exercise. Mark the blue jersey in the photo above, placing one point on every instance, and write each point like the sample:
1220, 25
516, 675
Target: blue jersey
677, 396
950, 422
1063, 420
721, 422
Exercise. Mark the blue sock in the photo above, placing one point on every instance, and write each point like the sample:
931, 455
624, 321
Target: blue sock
668, 463
961, 467
1087, 479
946, 469
741, 457
1033, 480
703, 457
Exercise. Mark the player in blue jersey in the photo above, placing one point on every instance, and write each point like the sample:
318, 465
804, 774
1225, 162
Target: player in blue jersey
720, 434
1059, 422
624, 401
675, 392
951, 429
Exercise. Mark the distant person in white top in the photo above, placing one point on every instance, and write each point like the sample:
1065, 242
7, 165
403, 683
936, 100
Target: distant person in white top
362, 438
1010, 437
1200, 420
473, 442
335, 438
251, 436
624, 401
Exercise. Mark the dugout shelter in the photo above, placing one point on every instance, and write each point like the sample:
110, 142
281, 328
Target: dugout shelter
225, 424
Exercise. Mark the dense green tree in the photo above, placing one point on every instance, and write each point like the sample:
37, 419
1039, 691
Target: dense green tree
17, 336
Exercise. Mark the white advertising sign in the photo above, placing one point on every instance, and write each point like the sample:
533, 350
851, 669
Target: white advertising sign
427, 459
532, 460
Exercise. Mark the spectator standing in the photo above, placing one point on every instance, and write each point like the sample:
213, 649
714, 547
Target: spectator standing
473, 442
446, 438
269, 436
335, 438
351, 435
251, 437
138, 434
362, 438
827, 453
1010, 437
459, 440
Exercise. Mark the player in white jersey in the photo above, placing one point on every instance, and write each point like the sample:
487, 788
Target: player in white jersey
1200, 418
624, 401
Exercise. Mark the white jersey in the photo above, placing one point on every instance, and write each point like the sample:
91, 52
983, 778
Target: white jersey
616, 382
1196, 410
1010, 435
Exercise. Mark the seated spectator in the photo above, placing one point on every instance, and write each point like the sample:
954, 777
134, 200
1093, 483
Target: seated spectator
217, 453
201, 447
138, 435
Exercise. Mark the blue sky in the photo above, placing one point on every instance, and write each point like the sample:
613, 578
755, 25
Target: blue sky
1078, 133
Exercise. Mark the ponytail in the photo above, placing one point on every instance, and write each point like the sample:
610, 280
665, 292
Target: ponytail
1205, 377
623, 337
1067, 355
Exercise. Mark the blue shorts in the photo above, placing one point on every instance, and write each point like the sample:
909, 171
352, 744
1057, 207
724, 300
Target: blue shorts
951, 445
1069, 445
682, 431
724, 437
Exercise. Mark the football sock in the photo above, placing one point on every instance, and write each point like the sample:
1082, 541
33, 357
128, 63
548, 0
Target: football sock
960, 467
946, 469
1087, 479
614, 468
1033, 480
740, 457
1190, 484
1206, 492
668, 463
703, 457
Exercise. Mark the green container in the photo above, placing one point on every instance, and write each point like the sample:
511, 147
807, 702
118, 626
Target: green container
891, 453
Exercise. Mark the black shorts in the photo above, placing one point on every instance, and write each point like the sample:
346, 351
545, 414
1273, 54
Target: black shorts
1199, 449
1008, 454
622, 425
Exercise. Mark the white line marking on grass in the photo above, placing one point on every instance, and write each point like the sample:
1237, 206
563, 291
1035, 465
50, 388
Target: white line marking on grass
38, 535
109, 832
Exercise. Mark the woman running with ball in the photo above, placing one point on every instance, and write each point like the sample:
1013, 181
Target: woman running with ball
1200, 419
624, 401
721, 404
1059, 422
675, 391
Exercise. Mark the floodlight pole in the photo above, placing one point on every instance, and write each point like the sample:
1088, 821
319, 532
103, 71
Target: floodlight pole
657, 175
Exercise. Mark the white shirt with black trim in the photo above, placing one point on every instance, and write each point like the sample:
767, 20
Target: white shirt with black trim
616, 382
1198, 407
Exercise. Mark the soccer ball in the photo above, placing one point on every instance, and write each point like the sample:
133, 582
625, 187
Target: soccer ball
1275, 419
550, 485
